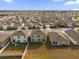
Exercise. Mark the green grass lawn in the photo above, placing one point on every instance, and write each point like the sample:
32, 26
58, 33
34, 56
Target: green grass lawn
10, 57
14, 49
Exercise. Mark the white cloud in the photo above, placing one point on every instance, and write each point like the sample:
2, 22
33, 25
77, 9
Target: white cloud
72, 2
75, 9
9, 1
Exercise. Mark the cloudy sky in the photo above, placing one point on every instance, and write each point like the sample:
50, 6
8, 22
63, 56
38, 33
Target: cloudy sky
40, 4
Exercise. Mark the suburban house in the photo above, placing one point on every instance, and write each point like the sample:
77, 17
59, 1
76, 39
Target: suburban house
4, 38
73, 36
57, 39
38, 36
19, 36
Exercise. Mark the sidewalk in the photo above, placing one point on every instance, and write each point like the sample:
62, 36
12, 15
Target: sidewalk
10, 54
24, 51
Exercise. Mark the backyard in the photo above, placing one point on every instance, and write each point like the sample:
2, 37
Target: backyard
36, 51
19, 48
47, 51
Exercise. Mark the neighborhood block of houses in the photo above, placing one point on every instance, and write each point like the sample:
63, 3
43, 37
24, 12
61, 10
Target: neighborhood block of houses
38, 35
27, 27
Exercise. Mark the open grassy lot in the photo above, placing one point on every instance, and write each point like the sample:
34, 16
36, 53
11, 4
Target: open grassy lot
36, 51
10, 57
19, 48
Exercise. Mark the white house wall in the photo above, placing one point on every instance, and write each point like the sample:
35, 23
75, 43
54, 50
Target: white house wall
21, 38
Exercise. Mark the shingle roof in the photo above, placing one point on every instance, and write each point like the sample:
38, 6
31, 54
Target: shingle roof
5, 35
73, 34
38, 32
54, 36
19, 33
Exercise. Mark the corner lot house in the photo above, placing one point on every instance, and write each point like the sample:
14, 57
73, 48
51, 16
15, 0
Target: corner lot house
38, 36
57, 39
73, 36
19, 36
4, 38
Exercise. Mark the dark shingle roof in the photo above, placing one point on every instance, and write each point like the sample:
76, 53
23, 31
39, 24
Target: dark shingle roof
5, 35
54, 36
19, 33
37, 32
73, 34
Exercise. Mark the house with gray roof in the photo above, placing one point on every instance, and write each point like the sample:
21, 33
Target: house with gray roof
73, 36
57, 39
19, 36
38, 35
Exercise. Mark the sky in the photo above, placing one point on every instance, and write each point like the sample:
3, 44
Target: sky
39, 4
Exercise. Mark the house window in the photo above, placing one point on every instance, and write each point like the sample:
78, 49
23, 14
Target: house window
32, 40
18, 40
38, 35
24, 36
38, 39
24, 40
13, 40
18, 36
43, 40
55, 43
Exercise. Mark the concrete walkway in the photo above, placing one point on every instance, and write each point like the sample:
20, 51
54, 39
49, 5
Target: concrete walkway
10, 54
24, 51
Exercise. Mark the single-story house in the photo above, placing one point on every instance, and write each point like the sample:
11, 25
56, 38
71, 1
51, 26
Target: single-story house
19, 36
38, 35
57, 39
73, 36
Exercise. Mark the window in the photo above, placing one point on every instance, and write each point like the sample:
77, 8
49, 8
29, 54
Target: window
38, 39
18, 36
38, 35
55, 43
32, 40
18, 40
24, 40
43, 39
13, 40
24, 36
